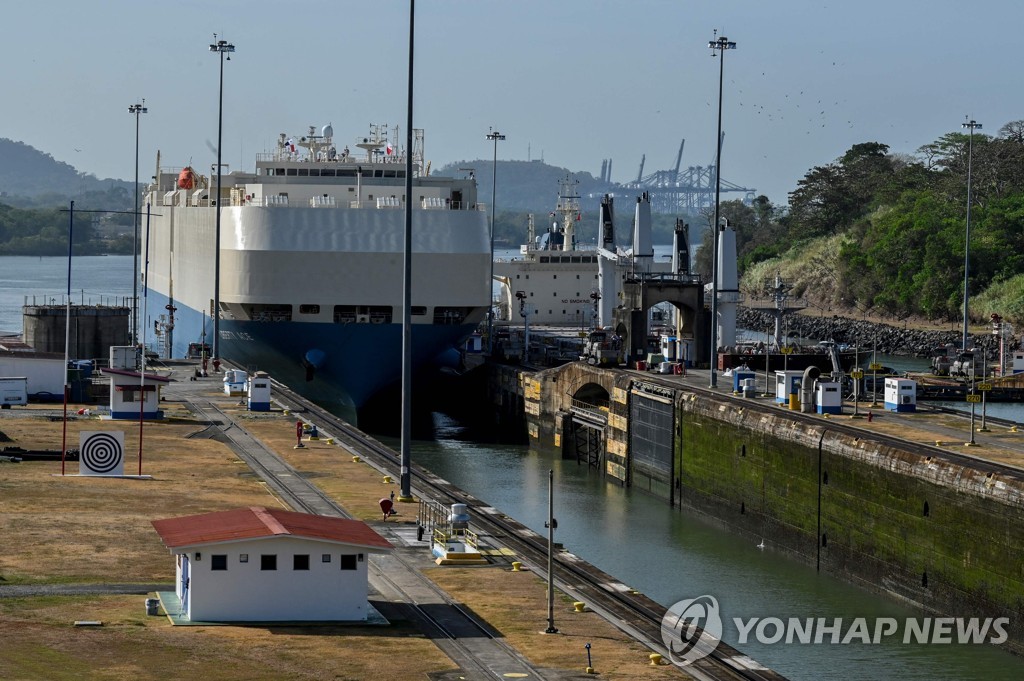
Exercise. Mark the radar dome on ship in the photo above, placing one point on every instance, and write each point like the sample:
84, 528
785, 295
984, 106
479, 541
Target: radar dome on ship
327, 131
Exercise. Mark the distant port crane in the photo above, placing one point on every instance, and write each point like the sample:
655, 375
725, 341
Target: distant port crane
673, 191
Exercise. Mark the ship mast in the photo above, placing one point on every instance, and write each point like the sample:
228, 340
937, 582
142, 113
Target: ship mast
569, 211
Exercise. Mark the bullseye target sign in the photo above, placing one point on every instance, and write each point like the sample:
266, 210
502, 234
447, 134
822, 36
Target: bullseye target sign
101, 453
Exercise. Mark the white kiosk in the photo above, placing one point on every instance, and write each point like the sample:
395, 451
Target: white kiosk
900, 394
234, 382
787, 387
828, 397
126, 387
259, 391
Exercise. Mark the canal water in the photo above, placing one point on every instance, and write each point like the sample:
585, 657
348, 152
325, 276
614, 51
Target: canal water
672, 555
667, 554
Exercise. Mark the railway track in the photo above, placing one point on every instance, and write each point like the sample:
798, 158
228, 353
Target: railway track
462, 636
633, 612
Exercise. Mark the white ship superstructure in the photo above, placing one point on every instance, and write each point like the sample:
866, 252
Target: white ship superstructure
558, 278
311, 261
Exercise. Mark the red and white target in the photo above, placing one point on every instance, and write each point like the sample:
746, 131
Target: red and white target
101, 453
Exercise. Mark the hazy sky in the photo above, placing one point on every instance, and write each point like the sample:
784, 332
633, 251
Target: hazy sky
572, 81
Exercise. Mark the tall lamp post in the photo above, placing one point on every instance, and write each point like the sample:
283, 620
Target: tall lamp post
495, 136
718, 47
222, 47
971, 126
137, 110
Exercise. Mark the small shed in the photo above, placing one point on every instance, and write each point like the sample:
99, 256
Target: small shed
258, 389
787, 386
900, 394
268, 565
828, 397
126, 387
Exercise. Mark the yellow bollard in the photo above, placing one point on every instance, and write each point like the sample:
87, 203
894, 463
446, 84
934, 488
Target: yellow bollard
517, 566
287, 412
330, 440
356, 459
938, 443
655, 660
387, 479
589, 670
1013, 429
579, 606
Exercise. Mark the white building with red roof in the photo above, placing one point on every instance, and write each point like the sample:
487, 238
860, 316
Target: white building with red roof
267, 565
128, 388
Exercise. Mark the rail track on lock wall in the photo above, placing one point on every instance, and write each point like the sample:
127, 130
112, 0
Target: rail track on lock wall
459, 633
631, 611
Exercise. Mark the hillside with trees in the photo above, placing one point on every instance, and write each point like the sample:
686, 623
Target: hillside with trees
884, 234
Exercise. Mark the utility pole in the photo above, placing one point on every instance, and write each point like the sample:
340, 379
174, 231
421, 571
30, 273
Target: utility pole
718, 47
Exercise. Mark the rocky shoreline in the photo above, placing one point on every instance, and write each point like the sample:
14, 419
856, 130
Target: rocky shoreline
889, 340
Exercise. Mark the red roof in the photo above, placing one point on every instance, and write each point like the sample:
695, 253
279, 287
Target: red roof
135, 374
257, 522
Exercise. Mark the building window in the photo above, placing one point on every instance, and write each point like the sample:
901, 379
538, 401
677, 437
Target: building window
243, 558
218, 562
309, 309
348, 562
300, 562
268, 562
325, 558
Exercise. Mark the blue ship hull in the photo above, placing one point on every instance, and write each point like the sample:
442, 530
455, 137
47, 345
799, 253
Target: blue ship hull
339, 365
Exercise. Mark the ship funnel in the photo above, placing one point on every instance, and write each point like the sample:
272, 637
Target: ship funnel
643, 251
607, 226
681, 248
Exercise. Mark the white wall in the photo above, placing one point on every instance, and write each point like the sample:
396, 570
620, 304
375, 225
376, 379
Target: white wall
44, 375
244, 592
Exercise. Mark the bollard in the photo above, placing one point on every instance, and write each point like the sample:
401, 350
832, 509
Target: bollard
655, 660
287, 412
330, 440
517, 566
590, 663
356, 459
387, 479
579, 606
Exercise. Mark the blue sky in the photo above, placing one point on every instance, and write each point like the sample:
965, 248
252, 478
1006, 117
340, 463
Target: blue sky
572, 81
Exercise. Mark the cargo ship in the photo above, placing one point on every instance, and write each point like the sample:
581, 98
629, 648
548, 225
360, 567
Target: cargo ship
311, 262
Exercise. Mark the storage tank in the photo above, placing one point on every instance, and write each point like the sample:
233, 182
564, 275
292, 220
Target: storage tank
94, 328
460, 517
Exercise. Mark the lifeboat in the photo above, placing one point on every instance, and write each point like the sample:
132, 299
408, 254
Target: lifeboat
187, 178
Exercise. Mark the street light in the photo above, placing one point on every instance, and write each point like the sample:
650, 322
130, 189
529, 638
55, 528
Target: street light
718, 47
971, 125
137, 110
221, 47
495, 136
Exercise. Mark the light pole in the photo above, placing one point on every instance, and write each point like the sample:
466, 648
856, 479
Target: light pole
495, 136
137, 110
971, 125
718, 47
221, 47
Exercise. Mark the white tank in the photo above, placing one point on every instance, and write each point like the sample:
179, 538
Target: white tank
460, 516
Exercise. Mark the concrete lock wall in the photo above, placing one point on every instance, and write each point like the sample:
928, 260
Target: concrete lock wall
942, 535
